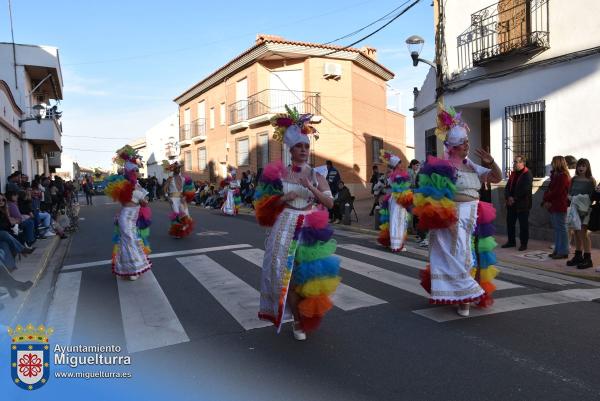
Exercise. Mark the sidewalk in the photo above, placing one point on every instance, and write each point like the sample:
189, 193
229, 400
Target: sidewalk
536, 256
31, 268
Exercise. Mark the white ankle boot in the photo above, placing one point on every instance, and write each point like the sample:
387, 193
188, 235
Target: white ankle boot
299, 334
463, 310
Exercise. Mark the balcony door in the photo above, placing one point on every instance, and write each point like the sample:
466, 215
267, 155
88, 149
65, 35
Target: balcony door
201, 118
241, 98
286, 88
513, 24
187, 120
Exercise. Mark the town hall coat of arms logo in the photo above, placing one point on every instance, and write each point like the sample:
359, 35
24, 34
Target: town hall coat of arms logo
30, 356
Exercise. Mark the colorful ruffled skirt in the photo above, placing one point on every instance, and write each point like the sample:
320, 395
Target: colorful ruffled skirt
131, 246
232, 202
299, 257
182, 224
461, 258
394, 224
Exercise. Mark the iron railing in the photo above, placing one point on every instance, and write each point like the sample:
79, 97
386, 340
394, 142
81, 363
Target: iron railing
198, 127
271, 101
185, 132
504, 28
525, 135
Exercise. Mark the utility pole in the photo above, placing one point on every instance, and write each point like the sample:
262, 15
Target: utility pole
12, 34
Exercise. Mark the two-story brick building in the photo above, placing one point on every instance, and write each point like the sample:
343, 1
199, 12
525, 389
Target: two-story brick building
224, 118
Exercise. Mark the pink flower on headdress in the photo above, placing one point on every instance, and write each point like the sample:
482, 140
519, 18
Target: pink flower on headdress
284, 121
446, 118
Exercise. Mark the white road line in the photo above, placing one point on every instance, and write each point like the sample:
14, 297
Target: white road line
345, 298
149, 321
447, 313
238, 298
63, 307
161, 255
397, 280
405, 261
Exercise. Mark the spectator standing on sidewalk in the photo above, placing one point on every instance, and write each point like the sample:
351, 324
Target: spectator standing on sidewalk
333, 178
581, 191
555, 201
88, 189
518, 202
374, 180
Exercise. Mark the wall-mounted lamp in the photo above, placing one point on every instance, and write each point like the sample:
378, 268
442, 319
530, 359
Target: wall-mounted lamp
415, 45
39, 112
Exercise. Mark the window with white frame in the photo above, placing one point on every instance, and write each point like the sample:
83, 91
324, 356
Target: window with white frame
202, 159
222, 113
243, 158
187, 159
212, 118
263, 150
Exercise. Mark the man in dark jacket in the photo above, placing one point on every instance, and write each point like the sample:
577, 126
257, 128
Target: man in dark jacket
333, 177
518, 202
343, 196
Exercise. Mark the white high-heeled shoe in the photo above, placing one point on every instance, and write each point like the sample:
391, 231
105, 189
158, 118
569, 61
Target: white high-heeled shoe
299, 334
463, 310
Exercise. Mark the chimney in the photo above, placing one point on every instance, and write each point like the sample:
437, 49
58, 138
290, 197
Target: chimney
370, 52
263, 37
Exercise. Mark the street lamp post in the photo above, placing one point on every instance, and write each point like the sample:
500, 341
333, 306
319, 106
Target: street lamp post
415, 45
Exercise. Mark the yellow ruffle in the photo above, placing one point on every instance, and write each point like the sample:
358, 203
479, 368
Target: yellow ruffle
420, 200
322, 286
486, 275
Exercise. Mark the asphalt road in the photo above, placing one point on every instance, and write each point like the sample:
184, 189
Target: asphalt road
189, 337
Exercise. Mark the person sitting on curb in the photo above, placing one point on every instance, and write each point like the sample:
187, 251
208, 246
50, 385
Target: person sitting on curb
343, 196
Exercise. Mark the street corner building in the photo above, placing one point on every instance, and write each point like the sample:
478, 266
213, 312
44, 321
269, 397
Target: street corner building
525, 76
30, 127
224, 118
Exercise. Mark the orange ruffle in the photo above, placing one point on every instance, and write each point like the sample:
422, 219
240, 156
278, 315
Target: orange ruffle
315, 306
267, 210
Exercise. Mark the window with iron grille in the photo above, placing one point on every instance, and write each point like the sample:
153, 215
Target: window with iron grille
430, 143
376, 146
187, 158
243, 158
526, 135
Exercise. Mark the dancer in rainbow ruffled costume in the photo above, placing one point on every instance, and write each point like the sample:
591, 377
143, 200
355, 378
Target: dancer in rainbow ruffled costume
461, 258
299, 271
231, 206
181, 191
132, 224
393, 215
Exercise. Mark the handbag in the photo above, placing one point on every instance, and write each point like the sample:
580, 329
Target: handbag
594, 222
573, 219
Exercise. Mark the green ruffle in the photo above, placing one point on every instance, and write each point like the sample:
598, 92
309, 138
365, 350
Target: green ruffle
437, 181
487, 244
319, 250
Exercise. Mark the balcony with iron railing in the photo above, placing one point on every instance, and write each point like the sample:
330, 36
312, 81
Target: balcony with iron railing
502, 30
198, 130
261, 106
185, 135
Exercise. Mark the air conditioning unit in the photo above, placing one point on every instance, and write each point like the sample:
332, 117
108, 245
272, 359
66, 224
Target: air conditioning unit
332, 70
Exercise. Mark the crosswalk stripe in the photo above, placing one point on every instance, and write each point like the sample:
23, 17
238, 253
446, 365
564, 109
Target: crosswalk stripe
160, 255
414, 263
237, 297
345, 298
446, 313
397, 280
63, 308
149, 321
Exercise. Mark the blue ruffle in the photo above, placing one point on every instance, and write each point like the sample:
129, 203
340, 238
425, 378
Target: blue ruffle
326, 267
435, 193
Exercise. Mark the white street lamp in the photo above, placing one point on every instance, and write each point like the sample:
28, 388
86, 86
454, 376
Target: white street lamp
39, 112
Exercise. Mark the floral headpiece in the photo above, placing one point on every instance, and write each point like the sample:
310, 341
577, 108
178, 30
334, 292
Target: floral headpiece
389, 158
128, 157
293, 127
167, 167
450, 128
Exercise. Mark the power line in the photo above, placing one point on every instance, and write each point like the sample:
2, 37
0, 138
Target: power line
96, 137
366, 26
375, 31
89, 150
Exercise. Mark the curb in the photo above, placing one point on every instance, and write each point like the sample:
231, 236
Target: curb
45, 261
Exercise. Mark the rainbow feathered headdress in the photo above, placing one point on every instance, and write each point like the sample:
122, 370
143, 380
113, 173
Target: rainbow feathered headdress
451, 129
389, 158
293, 127
170, 167
128, 157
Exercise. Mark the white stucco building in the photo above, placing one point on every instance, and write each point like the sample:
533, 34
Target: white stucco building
526, 76
29, 76
162, 143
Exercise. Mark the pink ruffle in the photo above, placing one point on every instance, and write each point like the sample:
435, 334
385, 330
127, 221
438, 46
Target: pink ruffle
317, 219
486, 213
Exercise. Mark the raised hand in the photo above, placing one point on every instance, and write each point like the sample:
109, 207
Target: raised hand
486, 158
